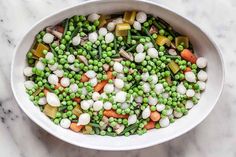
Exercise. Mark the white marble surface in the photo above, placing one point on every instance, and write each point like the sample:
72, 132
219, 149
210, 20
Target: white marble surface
216, 136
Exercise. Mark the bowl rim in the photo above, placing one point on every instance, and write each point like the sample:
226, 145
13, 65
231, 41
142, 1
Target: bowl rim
35, 120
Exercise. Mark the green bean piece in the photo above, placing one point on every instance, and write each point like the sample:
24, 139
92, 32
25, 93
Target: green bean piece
131, 48
99, 51
97, 130
52, 50
172, 57
131, 127
111, 134
66, 26
129, 37
37, 92
94, 125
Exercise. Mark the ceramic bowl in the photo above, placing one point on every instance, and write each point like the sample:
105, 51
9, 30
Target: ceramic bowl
203, 45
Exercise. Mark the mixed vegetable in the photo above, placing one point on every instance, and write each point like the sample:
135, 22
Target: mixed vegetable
114, 74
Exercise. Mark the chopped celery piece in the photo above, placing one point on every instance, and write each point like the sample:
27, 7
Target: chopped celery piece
168, 80
39, 50
122, 29
173, 67
182, 40
162, 40
77, 111
50, 111
102, 21
129, 17
87, 129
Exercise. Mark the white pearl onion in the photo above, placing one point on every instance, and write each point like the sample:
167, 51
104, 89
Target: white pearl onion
145, 76
132, 119
53, 67
39, 65
109, 37
84, 119
74, 87
53, 99
159, 88
125, 105
42, 101
97, 105
93, 17
95, 96
118, 67
202, 75
76, 69
190, 93
76, 40
120, 96
71, 58
164, 122
28, 71
65, 123
91, 74
108, 88
107, 105
146, 88
53, 79
93, 81
140, 48
119, 83
139, 57
111, 26
49, 56
146, 113
48, 38
172, 52
202, 85
189, 104
141, 17
178, 114
160, 107
137, 25
149, 45
139, 99
154, 79
201, 62
65, 82
190, 76
102, 31
169, 112
59, 73
181, 88
152, 100
152, 52
93, 37
84, 91
85, 104
118, 20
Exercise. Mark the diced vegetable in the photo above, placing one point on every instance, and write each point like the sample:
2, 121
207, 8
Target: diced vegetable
39, 50
174, 67
112, 113
162, 40
129, 17
188, 56
182, 40
50, 111
100, 86
102, 21
122, 29
77, 110
87, 129
76, 128
150, 125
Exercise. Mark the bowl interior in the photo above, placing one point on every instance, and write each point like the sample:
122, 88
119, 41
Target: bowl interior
203, 47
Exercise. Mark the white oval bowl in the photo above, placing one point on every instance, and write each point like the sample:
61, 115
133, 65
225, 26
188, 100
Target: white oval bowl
202, 44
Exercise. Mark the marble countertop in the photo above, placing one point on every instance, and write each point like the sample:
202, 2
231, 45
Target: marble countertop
216, 136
